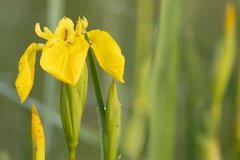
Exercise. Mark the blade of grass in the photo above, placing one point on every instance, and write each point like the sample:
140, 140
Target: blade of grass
237, 131
135, 136
237, 120
222, 71
136, 131
163, 83
194, 96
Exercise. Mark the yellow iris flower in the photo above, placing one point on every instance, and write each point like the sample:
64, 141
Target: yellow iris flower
65, 52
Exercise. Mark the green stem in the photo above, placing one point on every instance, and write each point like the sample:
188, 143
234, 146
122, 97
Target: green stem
72, 153
100, 104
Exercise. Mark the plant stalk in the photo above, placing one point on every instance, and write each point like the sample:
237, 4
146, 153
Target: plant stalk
100, 104
163, 82
72, 153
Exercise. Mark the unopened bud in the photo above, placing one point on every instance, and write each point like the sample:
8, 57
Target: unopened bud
72, 102
38, 141
112, 122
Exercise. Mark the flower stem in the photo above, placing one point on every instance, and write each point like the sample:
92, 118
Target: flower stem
72, 153
100, 104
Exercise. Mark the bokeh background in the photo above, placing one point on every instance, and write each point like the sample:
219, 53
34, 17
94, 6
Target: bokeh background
197, 29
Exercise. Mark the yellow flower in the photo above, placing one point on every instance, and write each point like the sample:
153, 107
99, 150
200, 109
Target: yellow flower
64, 55
106, 50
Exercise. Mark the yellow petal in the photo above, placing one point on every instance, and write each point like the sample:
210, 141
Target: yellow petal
24, 81
65, 60
84, 22
78, 28
65, 30
81, 26
38, 140
108, 53
47, 34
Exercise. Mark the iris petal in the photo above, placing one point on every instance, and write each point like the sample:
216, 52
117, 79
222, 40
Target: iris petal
65, 60
47, 34
24, 81
65, 30
84, 22
81, 26
108, 53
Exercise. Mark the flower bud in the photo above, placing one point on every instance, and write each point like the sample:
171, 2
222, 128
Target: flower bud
38, 141
72, 102
112, 122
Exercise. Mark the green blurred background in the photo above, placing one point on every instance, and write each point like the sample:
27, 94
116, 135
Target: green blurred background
136, 27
